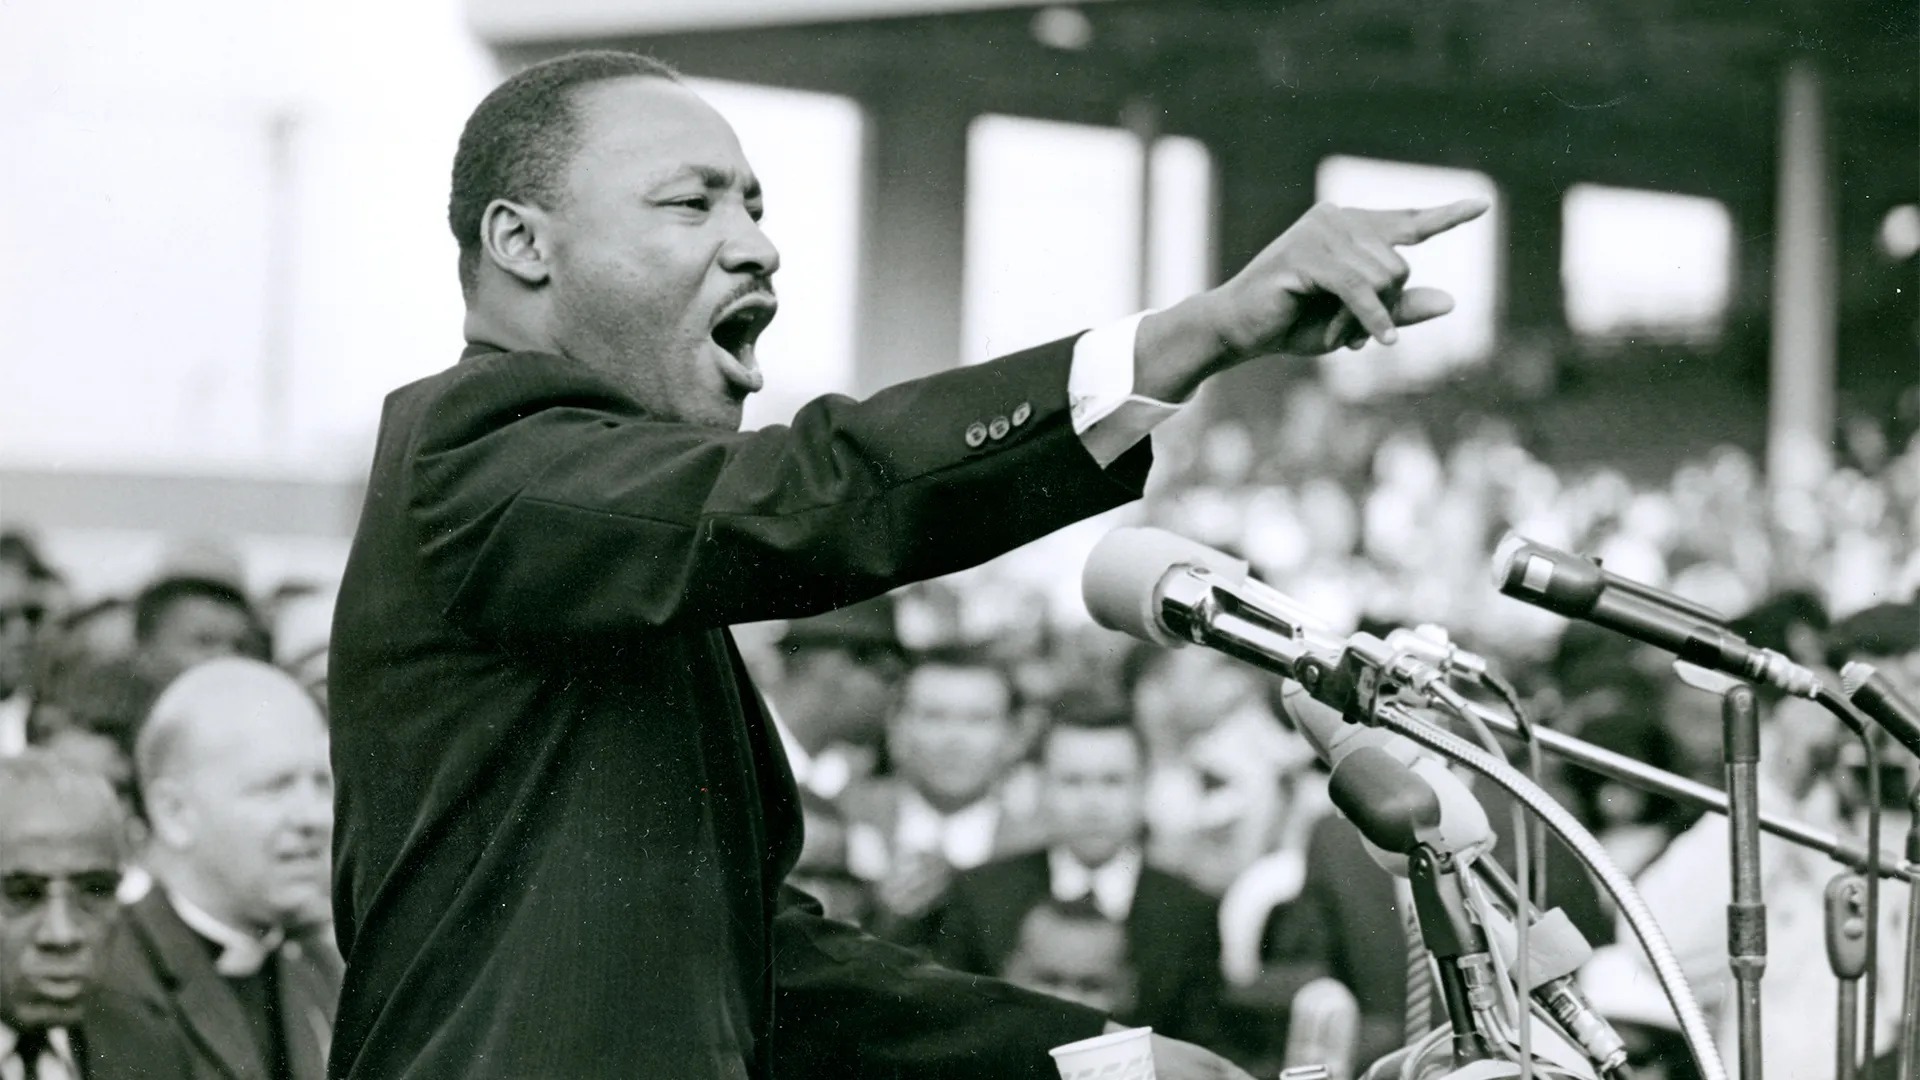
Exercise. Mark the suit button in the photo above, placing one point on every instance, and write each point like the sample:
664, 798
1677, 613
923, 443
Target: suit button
976, 434
999, 428
1022, 414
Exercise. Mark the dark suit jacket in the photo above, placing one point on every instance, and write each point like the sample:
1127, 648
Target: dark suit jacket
159, 962
126, 1039
1172, 931
563, 820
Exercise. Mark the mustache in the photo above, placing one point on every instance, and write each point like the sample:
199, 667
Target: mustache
759, 285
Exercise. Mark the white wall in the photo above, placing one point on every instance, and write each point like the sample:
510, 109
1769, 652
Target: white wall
140, 293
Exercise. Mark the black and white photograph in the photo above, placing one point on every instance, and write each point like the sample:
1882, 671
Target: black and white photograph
959, 540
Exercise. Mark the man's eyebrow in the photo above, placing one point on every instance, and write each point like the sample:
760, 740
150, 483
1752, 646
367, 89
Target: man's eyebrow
715, 177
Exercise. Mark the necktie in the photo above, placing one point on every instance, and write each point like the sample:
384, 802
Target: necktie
35, 1058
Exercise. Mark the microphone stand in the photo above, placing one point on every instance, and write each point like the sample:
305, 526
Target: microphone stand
1909, 1053
1847, 956
1458, 947
1639, 774
1747, 912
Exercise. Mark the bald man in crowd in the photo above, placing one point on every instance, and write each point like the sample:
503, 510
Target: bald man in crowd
61, 835
231, 945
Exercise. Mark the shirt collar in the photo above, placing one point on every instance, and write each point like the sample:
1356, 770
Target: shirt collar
963, 838
241, 954
59, 1044
1111, 885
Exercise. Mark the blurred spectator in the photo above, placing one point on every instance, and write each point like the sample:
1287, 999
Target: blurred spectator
1634, 826
181, 621
301, 618
1074, 952
23, 609
101, 630
1217, 760
1687, 889
60, 845
837, 678
951, 742
1346, 925
1886, 636
1792, 622
1167, 943
92, 715
233, 944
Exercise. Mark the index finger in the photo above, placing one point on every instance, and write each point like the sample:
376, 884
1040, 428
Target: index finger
1414, 226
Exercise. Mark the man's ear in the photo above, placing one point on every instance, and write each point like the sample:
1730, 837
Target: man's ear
517, 238
168, 814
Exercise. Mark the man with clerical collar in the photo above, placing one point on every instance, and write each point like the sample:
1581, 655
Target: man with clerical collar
1001, 917
61, 834
233, 942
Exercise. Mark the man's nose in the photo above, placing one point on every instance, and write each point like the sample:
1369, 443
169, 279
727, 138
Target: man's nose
312, 809
749, 250
60, 927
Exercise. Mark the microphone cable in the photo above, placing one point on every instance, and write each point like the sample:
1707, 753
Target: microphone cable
1693, 1024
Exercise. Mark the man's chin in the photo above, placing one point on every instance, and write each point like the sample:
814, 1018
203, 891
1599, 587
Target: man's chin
36, 1012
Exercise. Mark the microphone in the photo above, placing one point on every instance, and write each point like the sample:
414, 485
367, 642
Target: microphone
1576, 587
1397, 806
1874, 694
1168, 590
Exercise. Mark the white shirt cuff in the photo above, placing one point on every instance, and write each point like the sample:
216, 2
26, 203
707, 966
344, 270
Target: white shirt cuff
1107, 415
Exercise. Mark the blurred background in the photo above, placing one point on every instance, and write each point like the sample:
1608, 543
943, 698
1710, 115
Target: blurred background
1686, 332
1687, 342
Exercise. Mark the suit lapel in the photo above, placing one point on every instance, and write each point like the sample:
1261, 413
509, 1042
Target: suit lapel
304, 994
208, 1009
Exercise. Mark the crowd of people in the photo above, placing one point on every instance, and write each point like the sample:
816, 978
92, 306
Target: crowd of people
1135, 828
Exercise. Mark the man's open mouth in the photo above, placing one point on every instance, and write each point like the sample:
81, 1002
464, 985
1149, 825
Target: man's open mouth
741, 322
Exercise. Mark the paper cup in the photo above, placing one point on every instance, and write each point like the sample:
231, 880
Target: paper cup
1123, 1055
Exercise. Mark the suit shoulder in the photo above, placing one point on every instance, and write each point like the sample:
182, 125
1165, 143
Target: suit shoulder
1002, 873
1174, 890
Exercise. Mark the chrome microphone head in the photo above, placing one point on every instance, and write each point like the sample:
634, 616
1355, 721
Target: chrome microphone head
1855, 675
1122, 581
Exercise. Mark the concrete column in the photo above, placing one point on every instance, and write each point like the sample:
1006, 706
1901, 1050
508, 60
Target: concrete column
1805, 298
1264, 180
1534, 297
913, 238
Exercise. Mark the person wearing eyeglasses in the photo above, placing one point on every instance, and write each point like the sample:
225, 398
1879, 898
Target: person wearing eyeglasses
60, 847
22, 611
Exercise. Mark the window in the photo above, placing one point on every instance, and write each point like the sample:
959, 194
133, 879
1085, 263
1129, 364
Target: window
1465, 262
1648, 265
1053, 229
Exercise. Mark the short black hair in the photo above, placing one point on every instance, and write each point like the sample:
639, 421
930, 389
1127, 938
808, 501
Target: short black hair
150, 608
1088, 712
18, 548
968, 657
518, 141
1881, 630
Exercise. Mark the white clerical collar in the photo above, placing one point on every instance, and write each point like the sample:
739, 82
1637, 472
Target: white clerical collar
241, 953
59, 1044
963, 838
13, 723
1111, 885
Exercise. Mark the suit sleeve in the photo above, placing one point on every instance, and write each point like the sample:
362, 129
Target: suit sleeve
549, 510
850, 1005
952, 933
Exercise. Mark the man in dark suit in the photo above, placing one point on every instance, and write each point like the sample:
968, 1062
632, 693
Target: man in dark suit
61, 837
230, 945
1093, 794
947, 804
564, 824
